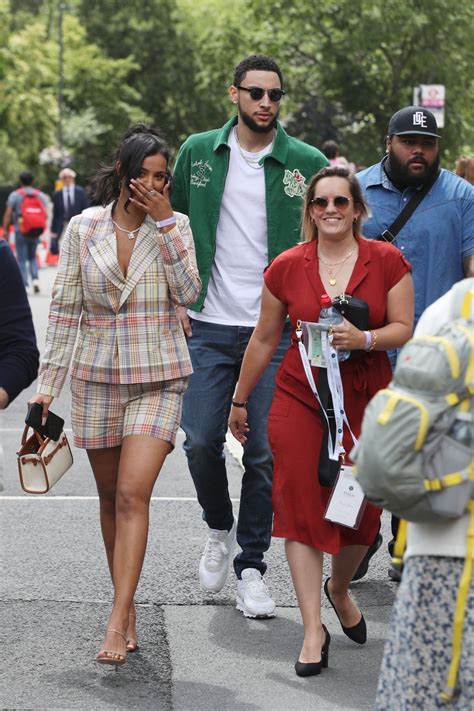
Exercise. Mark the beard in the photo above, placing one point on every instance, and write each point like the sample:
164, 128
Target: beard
256, 127
399, 173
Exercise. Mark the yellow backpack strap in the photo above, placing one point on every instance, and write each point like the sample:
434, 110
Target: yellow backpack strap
461, 603
466, 304
400, 544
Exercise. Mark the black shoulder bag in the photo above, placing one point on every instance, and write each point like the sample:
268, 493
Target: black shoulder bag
391, 232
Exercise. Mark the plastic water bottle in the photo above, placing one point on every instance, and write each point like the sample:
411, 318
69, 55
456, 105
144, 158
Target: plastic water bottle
329, 316
462, 429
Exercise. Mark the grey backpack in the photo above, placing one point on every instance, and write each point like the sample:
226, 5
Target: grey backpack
414, 457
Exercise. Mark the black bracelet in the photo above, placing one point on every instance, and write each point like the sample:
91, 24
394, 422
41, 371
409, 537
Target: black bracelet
239, 404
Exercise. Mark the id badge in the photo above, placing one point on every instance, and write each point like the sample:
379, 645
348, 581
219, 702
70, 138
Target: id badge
316, 336
347, 502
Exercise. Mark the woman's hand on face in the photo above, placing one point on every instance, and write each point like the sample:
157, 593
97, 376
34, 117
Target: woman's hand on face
45, 402
156, 204
347, 337
238, 423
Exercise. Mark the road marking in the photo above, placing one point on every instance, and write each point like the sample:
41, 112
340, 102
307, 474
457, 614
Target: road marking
42, 497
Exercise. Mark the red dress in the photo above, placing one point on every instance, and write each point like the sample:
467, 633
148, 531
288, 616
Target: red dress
295, 428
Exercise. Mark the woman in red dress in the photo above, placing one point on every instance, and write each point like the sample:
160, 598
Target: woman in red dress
333, 259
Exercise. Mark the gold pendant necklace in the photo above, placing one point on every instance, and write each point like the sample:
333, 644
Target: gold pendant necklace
332, 275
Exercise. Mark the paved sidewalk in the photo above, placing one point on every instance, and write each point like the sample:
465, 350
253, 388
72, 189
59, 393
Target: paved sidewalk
196, 650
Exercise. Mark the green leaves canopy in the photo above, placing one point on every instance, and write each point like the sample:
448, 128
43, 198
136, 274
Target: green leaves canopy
348, 65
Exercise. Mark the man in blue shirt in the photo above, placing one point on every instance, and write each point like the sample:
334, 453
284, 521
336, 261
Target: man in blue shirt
438, 238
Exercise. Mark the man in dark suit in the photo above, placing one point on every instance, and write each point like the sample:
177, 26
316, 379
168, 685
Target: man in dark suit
70, 200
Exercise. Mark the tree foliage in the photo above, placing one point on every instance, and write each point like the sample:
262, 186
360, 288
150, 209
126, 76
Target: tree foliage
348, 65
355, 62
153, 34
96, 97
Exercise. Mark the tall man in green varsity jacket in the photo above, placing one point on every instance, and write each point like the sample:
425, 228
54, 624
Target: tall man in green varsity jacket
242, 186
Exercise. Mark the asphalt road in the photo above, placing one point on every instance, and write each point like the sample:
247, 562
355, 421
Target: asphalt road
196, 650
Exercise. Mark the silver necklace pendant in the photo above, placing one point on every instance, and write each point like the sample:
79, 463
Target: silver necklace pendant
131, 234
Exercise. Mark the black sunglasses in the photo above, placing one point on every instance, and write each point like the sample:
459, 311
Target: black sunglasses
323, 202
257, 93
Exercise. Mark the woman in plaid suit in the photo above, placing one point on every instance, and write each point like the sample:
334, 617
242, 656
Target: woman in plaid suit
123, 269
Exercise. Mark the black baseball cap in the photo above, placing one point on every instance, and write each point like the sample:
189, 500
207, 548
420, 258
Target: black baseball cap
413, 119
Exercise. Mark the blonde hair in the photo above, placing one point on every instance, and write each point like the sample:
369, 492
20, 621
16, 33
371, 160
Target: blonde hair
465, 168
309, 231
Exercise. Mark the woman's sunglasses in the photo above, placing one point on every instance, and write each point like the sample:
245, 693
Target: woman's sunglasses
340, 201
257, 93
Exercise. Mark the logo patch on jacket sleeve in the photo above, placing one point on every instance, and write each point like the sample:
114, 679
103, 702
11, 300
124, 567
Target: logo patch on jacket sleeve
295, 183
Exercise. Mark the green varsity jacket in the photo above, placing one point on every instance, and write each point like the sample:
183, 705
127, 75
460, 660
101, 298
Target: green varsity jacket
198, 184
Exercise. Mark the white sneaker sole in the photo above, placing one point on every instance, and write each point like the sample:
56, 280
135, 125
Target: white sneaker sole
215, 588
246, 612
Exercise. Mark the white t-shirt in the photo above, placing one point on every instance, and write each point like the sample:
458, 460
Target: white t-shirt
235, 284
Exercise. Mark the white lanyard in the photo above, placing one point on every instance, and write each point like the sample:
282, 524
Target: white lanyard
335, 449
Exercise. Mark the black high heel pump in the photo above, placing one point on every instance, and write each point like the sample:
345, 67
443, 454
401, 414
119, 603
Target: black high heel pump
357, 633
314, 668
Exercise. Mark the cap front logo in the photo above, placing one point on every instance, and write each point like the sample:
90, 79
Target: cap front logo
419, 119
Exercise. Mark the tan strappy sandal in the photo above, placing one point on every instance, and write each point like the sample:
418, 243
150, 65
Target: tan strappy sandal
114, 658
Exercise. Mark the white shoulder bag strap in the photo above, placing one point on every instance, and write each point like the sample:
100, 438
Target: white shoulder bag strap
335, 449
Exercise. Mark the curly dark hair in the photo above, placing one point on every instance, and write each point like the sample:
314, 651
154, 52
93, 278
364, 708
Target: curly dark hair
259, 62
138, 142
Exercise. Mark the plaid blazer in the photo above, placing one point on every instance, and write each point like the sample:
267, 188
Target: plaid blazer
128, 328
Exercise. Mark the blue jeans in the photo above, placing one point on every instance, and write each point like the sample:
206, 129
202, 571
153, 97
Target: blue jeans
26, 252
217, 353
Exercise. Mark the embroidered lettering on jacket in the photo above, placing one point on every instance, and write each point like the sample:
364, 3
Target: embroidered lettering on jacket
295, 183
200, 173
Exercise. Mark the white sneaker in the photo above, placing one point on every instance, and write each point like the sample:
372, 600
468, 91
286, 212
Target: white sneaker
252, 595
216, 559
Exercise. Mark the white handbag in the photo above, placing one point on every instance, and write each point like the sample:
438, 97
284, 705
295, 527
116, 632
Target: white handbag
42, 461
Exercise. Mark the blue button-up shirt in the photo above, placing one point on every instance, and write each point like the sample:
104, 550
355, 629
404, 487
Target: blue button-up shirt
437, 236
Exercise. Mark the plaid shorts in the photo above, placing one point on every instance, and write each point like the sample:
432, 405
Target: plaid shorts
103, 414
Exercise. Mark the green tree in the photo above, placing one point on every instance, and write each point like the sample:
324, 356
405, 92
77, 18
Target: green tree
99, 102
28, 113
357, 61
152, 34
